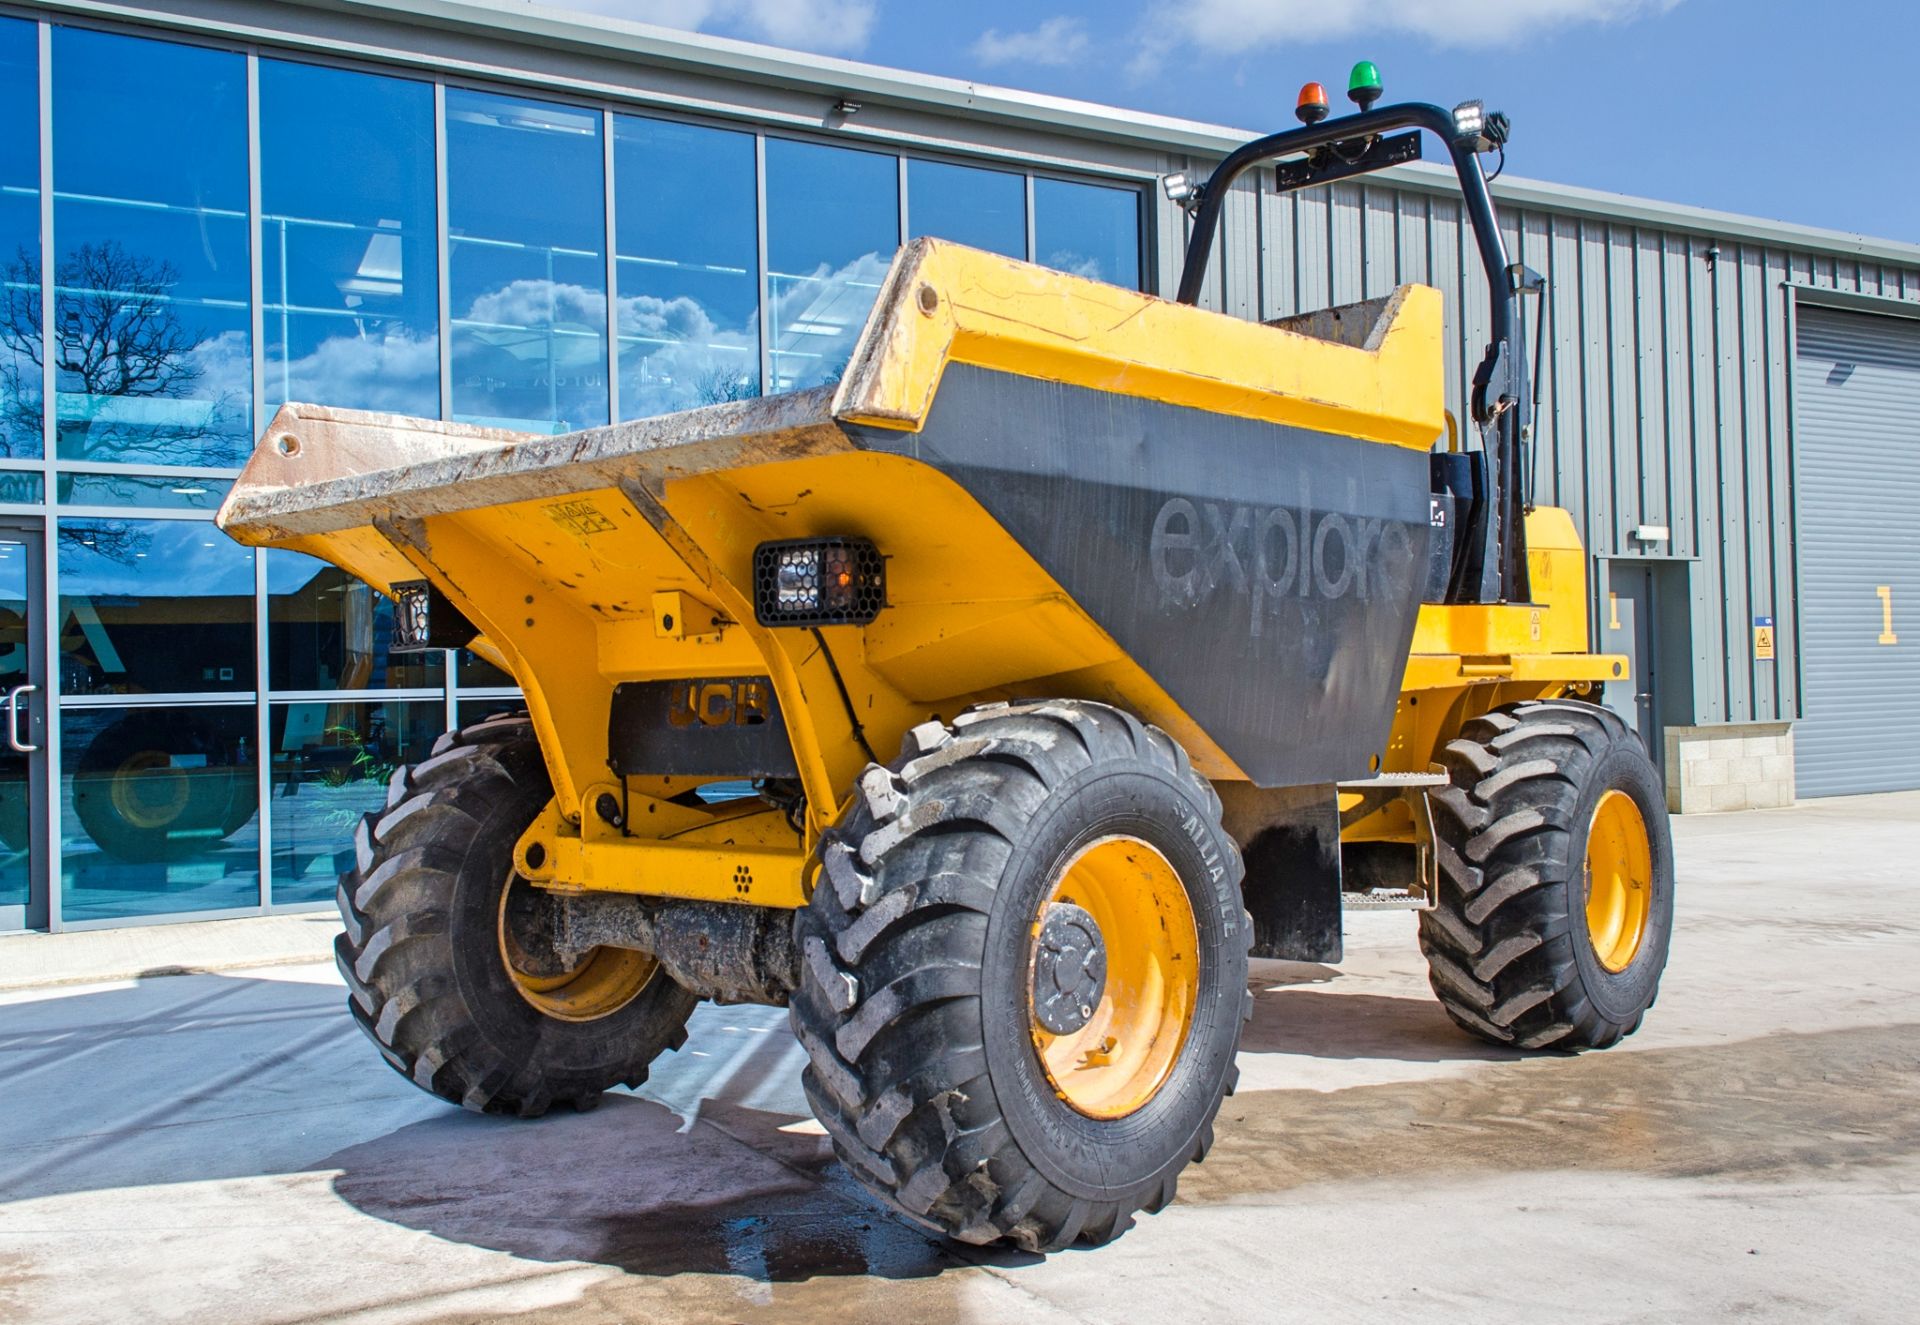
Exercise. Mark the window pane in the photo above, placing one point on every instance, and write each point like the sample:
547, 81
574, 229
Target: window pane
476, 673
982, 208
347, 245
159, 811
187, 494
331, 763
20, 359
528, 278
689, 292
1088, 229
152, 342
472, 711
833, 222
20, 487
153, 607
329, 631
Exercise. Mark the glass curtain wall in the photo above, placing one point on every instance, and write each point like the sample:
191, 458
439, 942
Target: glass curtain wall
21, 329
687, 278
225, 717
350, 287
152, 340
833, 222
979, 208
527, 268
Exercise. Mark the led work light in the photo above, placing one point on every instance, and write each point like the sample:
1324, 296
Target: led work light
818, 582
1470, 118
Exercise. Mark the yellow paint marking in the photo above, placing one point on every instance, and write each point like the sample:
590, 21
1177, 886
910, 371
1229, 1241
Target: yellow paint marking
1886, 614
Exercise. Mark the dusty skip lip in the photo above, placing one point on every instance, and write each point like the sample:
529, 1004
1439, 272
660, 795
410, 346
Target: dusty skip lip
347, 466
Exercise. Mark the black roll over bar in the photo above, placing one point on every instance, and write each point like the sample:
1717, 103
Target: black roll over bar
1495, 569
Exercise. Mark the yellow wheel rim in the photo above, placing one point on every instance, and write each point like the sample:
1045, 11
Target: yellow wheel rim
1115, 1063
606, 980
1619, 880
147, 791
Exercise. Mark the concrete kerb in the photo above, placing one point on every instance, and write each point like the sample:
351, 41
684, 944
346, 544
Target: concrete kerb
31, 961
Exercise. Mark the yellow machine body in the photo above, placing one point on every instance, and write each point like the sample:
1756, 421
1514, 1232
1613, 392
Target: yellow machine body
625, 555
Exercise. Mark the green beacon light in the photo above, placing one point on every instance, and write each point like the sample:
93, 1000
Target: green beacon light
1363, 87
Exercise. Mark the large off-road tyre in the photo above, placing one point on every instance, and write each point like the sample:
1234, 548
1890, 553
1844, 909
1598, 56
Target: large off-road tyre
433, 969
160, 786
1024, 974
1556, 878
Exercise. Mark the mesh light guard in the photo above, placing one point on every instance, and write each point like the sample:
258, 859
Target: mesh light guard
818, 582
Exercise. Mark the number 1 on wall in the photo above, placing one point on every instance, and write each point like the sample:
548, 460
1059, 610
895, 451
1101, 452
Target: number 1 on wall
1886, 614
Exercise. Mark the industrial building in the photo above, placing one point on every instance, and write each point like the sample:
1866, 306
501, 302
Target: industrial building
531, 219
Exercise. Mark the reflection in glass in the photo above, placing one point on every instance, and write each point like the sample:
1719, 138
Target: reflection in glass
833, 222
159, 811
22, 487
171, 494
527, 263
16, 636
687, 293
471, 711
331, 763
153, 607
980, 208
152, 347
21, 393
347, 243
329, 631
1088, 229
476, 673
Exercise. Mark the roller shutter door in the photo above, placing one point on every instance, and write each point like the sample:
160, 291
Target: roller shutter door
1857, 448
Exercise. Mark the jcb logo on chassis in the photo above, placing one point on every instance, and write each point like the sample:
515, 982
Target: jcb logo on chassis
1273, 554
745, 703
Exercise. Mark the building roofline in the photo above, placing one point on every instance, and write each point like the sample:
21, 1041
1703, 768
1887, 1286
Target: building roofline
725, 57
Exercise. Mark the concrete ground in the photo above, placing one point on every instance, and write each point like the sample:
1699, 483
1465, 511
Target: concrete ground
227, 1148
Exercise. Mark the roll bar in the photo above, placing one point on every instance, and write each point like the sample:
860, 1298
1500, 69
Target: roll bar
1502, 404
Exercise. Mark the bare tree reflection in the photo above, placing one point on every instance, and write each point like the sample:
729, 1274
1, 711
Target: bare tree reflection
119, 337
120, 541
21, 364
717, 384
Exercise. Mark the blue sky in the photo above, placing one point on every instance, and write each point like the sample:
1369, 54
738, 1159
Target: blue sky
1789, 109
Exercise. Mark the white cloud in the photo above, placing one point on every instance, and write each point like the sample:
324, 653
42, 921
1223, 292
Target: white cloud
814, 25
1231, 26
1058, 41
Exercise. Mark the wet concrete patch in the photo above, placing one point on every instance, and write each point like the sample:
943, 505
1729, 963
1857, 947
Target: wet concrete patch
1778, 1106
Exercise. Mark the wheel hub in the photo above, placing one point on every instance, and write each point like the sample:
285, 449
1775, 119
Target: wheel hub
598, 984
1069, 969
1619, 877
1116, 976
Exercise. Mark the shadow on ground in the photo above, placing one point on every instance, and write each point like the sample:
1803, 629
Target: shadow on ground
1318, 1023
742, 1193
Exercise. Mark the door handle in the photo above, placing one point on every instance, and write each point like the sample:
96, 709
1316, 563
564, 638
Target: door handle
13, 719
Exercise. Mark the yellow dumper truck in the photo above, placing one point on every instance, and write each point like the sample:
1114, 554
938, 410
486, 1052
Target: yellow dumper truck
990, 706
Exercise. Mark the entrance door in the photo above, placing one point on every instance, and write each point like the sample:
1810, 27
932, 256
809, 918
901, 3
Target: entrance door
23, 730
1628, 629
